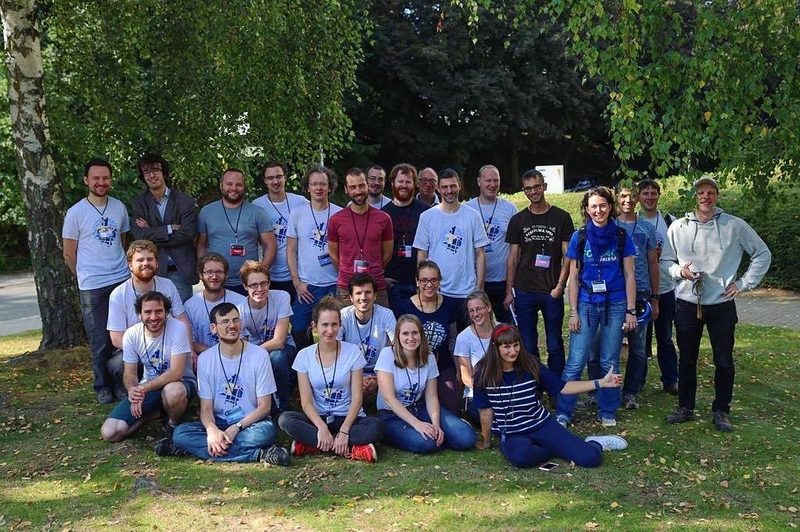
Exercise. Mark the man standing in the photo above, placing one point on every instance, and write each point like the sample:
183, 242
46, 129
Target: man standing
161, 345
496, 213
376, 181
454, 238
310, 265
94, 251
537, 269
278, 206
235, 389
405, 212
213, 270
702, 253
428, 184
168, 218
233, 227
360, 238
649, 194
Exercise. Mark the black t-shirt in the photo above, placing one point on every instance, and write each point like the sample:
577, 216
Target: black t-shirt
403, 266
542, 235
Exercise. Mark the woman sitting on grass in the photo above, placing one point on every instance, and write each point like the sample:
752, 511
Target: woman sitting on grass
408, 401
329, 377
508, 388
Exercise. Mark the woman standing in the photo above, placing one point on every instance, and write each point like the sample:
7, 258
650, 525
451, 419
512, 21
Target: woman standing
408, 400
472, 343
329, 377
508, 389
438, 316
602, 300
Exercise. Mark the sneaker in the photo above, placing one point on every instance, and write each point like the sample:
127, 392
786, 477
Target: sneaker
609, 443
588, 403
631, 402
681, 415
721, 421
671, 389
105, 397
608, 421
366, 453
563, 420
300, 448
168, 427
274, 455
167, 447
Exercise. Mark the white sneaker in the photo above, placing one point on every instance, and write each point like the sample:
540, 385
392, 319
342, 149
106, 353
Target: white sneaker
610, 442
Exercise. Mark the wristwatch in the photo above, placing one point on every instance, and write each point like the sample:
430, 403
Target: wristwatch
655, 296
239, 425
631, 311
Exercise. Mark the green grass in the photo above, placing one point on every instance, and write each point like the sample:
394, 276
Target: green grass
58, 474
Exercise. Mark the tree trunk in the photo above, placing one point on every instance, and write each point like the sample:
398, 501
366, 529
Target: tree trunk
62, 325
515, 181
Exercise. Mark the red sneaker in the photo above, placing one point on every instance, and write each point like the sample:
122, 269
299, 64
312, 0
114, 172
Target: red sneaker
366, 453
299, 449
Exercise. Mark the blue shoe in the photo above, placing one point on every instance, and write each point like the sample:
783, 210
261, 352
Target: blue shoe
562, 420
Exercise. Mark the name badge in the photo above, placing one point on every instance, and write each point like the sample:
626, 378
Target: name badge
598, 286
234, 415
237, 250
489, 248
105, 232
360, 266
403, 251
324, 259
542, 261
329, 419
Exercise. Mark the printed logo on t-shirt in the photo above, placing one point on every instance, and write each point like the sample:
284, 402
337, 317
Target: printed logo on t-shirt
331, 396
609, 255
410, 394
435, 333
267, 331
492, 230
319, 239
453, 239
157, 363
370, 352
280, 226
105, 231
231, 390
538, 233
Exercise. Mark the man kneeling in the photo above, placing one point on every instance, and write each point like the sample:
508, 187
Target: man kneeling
161, 345
236, 387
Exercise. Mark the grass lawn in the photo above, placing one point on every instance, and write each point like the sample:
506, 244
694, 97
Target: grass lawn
58, 474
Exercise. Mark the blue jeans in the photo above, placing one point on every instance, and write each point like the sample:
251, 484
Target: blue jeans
527, 306
529, 449
191, 437
594, 319
666, 353
400, 292
458, 434
301, 314
94, 307
281, 360
185, 289
496, 290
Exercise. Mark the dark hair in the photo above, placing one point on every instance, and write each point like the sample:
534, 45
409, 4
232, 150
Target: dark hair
212, 257
234, 170
404, 168
150, 159
152, 296
360, 279
603, 192
327, 303
333, 181
422, 351
428, 263
532, 174
648, 183
449, 173
222, 309
355, 172
274, 164
97, 161
376, 167
490, 367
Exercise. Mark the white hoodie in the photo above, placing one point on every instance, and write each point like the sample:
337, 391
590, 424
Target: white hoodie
715, 248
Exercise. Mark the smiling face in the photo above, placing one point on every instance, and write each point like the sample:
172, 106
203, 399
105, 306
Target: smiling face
449, 188
403, 187
275, 179
232, 187
428, 181
376, 181
356, 188
428, 283
98, 179
409, 336
707, 197
327, 326
489, 183
213, 276
479, 312
648, 198
508, 355
227, 327
153, 316
143, 265
153, 176
363, 298
318, 186
627, 199
257, 286
598, 210
534, 189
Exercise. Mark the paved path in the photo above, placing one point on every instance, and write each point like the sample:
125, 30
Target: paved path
19, 309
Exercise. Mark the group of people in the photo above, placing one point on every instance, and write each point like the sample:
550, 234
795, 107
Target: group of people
428, 303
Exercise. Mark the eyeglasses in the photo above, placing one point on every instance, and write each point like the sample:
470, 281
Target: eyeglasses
375, 178
275, 177
431, 281
534, 188
214, 273
318, 184
256, 286
225, 323
427, 181
477, 310
151, 171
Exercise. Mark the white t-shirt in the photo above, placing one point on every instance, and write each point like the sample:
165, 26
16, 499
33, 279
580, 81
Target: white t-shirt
258, 325
198, 310
101, 259
279, 213
370, 337
469, 345
665, 282
121, 303
451, 240
495, 222
330, 386
156, 354
239, 381
409, 384
310, 228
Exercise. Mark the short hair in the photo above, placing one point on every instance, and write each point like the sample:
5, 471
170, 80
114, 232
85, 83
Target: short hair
212, 257
327, 303
428, 263
448, 173
223, 309
626, 184
480, 295
333, 181
360, 279
153, 158
404, 168
250, 267
355, 172
648, 183
97, 161
376, 167
532, 174
141, 245
422, 351
152, 296
274, 164
233, 170
435, 174
487, 167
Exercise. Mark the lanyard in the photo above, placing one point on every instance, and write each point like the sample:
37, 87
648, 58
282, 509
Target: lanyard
288, 207
317, 226
231, 386
364, 342
329, 385
488, 222
136, 293
147, 357
355, 230
261, 338
414, 393
238, 217
101, 213
205, 303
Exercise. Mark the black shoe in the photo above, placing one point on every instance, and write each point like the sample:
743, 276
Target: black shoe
274, 455
167, 447
671, 389
721, 421
681, 415
169, 428
105, 397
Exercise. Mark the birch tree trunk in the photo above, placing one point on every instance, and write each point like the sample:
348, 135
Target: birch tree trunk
62, 325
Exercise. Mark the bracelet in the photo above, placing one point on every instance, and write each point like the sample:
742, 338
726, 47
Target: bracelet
596, 384
345, 433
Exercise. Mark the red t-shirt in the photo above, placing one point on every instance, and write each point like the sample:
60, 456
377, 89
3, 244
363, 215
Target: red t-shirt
360, 237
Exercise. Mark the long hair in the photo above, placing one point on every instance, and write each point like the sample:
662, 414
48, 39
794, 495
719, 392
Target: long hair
420, 355
490, 367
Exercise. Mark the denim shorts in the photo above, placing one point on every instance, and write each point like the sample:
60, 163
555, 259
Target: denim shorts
151, 403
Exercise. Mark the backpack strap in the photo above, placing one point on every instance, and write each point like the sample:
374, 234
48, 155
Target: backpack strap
668, 219
621, 234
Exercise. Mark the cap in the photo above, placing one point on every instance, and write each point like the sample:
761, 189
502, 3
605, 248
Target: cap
706, 181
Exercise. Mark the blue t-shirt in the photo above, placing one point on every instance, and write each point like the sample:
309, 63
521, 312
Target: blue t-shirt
644, 239
607, 268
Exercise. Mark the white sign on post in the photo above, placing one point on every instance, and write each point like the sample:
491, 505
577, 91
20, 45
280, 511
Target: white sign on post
554, 177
